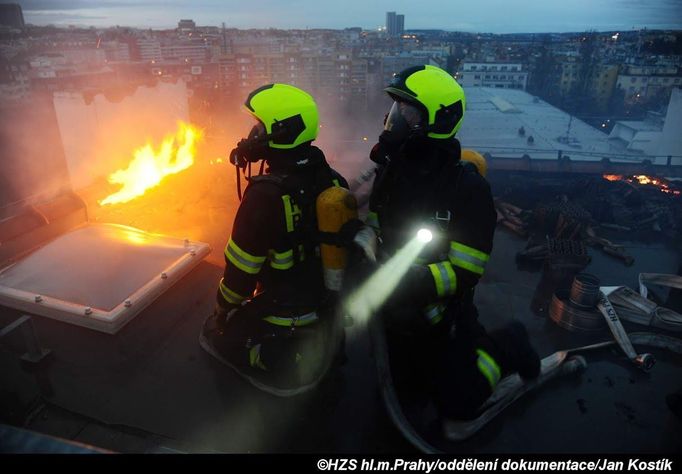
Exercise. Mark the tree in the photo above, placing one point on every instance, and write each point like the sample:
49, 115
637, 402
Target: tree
616, 106
581, 100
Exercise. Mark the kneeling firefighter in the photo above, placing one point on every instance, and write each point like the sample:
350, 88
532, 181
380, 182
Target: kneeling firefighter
422, 182
274, 316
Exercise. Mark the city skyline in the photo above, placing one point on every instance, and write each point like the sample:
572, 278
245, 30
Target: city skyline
529, 16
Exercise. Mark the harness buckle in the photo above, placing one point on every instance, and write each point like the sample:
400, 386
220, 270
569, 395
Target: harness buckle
443, 219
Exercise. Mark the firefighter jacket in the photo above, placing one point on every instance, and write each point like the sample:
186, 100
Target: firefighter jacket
272, 248
426, 185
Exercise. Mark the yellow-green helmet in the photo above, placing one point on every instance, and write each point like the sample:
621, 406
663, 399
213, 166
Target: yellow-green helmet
436, 93
288, 113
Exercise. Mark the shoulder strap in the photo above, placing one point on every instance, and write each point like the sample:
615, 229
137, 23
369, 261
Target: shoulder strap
275, 179
447, 185
299, 197
378, 188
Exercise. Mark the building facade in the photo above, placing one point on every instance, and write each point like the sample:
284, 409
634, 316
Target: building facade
501, 75
640, 82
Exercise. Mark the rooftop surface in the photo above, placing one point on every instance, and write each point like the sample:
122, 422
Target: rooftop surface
151, 388
494, 117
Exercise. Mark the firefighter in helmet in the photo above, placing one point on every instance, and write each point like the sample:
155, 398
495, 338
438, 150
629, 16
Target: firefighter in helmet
272, 308
422, 181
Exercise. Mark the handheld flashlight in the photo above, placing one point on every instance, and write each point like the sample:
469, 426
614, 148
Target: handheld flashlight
424, 235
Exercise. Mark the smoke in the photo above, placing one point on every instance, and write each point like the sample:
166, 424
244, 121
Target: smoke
348, 134
32, 166
99, 131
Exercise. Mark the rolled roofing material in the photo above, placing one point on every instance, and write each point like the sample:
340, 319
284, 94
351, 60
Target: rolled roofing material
576, 309
572, 317
567, 311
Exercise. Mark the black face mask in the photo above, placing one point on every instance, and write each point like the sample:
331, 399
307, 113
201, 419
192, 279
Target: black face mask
251, 149
403, 123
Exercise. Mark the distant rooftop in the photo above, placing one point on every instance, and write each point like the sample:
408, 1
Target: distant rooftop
641, 125
495, 116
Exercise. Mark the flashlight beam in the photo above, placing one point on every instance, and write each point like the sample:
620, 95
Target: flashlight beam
374, 292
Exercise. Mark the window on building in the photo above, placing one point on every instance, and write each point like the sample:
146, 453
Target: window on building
477, 76
504, 68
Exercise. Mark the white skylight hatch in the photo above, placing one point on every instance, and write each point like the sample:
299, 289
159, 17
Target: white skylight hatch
99, 276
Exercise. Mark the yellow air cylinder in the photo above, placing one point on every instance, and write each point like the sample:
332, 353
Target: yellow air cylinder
477, 160
335, 206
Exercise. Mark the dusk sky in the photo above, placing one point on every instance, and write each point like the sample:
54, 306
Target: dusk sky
497, 16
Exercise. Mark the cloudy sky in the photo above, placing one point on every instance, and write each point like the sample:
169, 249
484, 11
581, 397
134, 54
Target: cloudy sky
497, 16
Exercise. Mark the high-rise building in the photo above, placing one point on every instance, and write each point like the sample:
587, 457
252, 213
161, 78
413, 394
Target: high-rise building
11, 15
391, 24
395, 24
186, 25
400, 25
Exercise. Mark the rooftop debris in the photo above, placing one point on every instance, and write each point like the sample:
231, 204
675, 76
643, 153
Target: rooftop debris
561, 215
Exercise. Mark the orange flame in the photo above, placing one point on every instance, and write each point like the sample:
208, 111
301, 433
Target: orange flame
149, 166
644, 180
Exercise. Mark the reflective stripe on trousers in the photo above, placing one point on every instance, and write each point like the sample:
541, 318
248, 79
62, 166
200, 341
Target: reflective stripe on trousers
297, 321
488, 367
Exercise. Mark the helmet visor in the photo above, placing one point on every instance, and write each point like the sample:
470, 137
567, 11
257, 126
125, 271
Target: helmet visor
257, 131
403, 118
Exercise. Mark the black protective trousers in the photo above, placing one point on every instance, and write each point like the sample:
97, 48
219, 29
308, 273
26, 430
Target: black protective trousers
440, 362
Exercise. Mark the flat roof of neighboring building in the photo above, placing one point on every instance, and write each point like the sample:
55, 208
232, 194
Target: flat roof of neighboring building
489, 128
640, 125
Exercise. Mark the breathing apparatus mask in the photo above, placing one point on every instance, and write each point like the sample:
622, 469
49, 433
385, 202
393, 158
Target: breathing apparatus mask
403, 123
251, 149
256, 146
